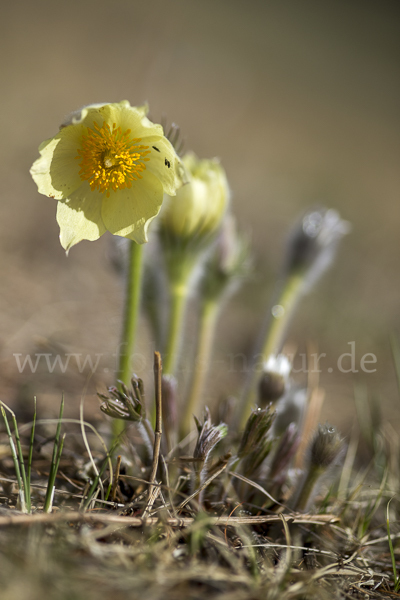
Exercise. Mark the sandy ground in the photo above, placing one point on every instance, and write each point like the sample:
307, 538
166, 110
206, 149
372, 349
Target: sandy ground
298, 99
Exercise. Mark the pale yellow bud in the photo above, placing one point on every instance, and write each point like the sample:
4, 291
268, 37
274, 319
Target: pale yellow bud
198, 208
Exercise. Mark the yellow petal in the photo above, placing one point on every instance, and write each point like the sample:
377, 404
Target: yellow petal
56, 172
78, 167
165, 164
124, 116
80, 218
128, 212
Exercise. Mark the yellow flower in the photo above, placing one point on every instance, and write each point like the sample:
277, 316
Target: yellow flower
108, 167
199, 206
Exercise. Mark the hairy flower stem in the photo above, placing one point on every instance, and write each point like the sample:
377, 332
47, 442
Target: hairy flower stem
179, 294
277, 326
180, 267
208, 319
305, 493
273, 341
131, 313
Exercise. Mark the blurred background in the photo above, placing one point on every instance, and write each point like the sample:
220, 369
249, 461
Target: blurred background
299, 100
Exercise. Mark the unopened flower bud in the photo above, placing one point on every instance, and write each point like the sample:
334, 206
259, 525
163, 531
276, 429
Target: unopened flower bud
208, 437
325, 451
256, 442
197, 210
326, 447
274, 381
257, 427
313, 243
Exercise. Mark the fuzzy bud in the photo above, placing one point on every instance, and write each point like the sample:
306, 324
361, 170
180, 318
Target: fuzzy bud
326, 448
256, 442
313, 243
208, 437
325, 451
274, 381
257, 427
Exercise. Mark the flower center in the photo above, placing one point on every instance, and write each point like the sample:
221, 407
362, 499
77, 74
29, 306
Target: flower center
110, 159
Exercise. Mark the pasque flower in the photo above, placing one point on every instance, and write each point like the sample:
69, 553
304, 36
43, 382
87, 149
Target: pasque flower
108, 167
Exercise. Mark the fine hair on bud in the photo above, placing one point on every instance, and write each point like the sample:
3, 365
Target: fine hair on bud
325, 451
208, 436
274, 380
326, 448
313, 243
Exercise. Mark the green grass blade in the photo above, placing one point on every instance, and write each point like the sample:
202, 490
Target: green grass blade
21, 463
54, 462
15, 459
30, 455
85, 503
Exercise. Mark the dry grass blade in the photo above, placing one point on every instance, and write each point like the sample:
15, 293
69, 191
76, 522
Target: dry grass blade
95, 517
256, 486
202, 487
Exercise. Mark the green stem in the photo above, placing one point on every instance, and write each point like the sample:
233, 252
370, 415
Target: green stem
205, 339
287, 302
277, 328
131, 314
179, 294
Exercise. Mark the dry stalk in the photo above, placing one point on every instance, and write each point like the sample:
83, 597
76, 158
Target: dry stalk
153, 489
223, 521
